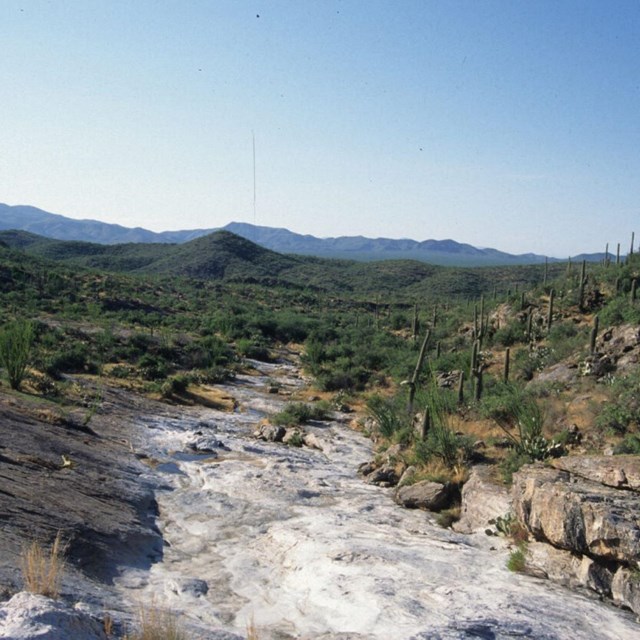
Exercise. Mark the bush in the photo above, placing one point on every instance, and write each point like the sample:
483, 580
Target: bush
623, 411
296, 413
15, 350
390, 414
72, 360
153, 367
517, 561
175, 385
630, 445
253, 350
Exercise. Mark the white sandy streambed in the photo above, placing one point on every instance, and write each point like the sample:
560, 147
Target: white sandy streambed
294, 540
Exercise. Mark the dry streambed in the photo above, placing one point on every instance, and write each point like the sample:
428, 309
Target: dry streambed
293, 540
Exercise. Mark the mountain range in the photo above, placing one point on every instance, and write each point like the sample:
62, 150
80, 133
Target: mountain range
360, 248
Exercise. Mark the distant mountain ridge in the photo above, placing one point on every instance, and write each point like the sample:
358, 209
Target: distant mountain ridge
441, 252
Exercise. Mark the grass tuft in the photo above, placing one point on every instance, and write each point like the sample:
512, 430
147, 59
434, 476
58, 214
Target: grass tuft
41, 569
157, 624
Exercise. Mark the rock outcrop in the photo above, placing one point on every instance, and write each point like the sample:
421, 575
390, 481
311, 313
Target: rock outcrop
483, 501
28, 616
432, 496
589, 508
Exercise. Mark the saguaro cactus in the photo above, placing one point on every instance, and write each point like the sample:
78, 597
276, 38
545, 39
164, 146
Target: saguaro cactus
594, 335
550, 310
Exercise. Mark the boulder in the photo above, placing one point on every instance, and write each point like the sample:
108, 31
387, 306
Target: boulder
625, 589
432, 496
619, 472
270, 433
578, 514
562, 373
312, 441
28, 616
385, 476
483, 500
206, 444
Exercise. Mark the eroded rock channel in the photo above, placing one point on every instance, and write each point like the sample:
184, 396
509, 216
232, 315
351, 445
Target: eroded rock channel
291, 539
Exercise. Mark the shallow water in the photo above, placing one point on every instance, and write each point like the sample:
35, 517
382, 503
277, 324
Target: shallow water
293, 540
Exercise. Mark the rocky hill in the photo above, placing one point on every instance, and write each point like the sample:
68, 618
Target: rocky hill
441, 252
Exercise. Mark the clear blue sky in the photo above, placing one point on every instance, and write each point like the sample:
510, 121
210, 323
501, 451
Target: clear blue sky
503, 123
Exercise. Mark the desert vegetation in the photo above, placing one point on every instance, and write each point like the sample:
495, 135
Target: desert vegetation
486, 333
443, 367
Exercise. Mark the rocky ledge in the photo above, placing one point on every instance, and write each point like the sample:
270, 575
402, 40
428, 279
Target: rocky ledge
584, 515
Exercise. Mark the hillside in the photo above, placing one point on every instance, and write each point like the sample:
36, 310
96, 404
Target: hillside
360, 248
223, 256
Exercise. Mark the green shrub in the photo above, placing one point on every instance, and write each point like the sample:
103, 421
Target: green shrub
74, 359
253, 350
630, 445
153, 367
517, 561
295, 413
510, 334
390, 414
623, 411
175, 385
16, 340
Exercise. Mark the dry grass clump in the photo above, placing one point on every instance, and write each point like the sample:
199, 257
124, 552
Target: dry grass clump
157, 624
252, 630
41, 569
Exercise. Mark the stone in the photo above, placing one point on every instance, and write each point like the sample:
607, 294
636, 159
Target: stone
206, 444
561, 372
189, 586
625, 589
28, 616
620, 472
270, 432
483, 500
386, 476
577, 514
432, 496
293, 437
312, 441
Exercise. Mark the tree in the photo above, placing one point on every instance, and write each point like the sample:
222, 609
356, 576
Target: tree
15, 349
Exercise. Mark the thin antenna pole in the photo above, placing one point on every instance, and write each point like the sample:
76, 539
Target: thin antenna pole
253, 136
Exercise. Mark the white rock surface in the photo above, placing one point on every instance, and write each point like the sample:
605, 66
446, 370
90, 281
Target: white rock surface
29, 617
293, 539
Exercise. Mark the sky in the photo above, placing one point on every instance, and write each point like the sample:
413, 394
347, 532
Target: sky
500, 123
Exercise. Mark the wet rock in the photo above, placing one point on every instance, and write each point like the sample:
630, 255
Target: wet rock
483, 500
620, 472
28, 616
270, 433
432, 496
577, 514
